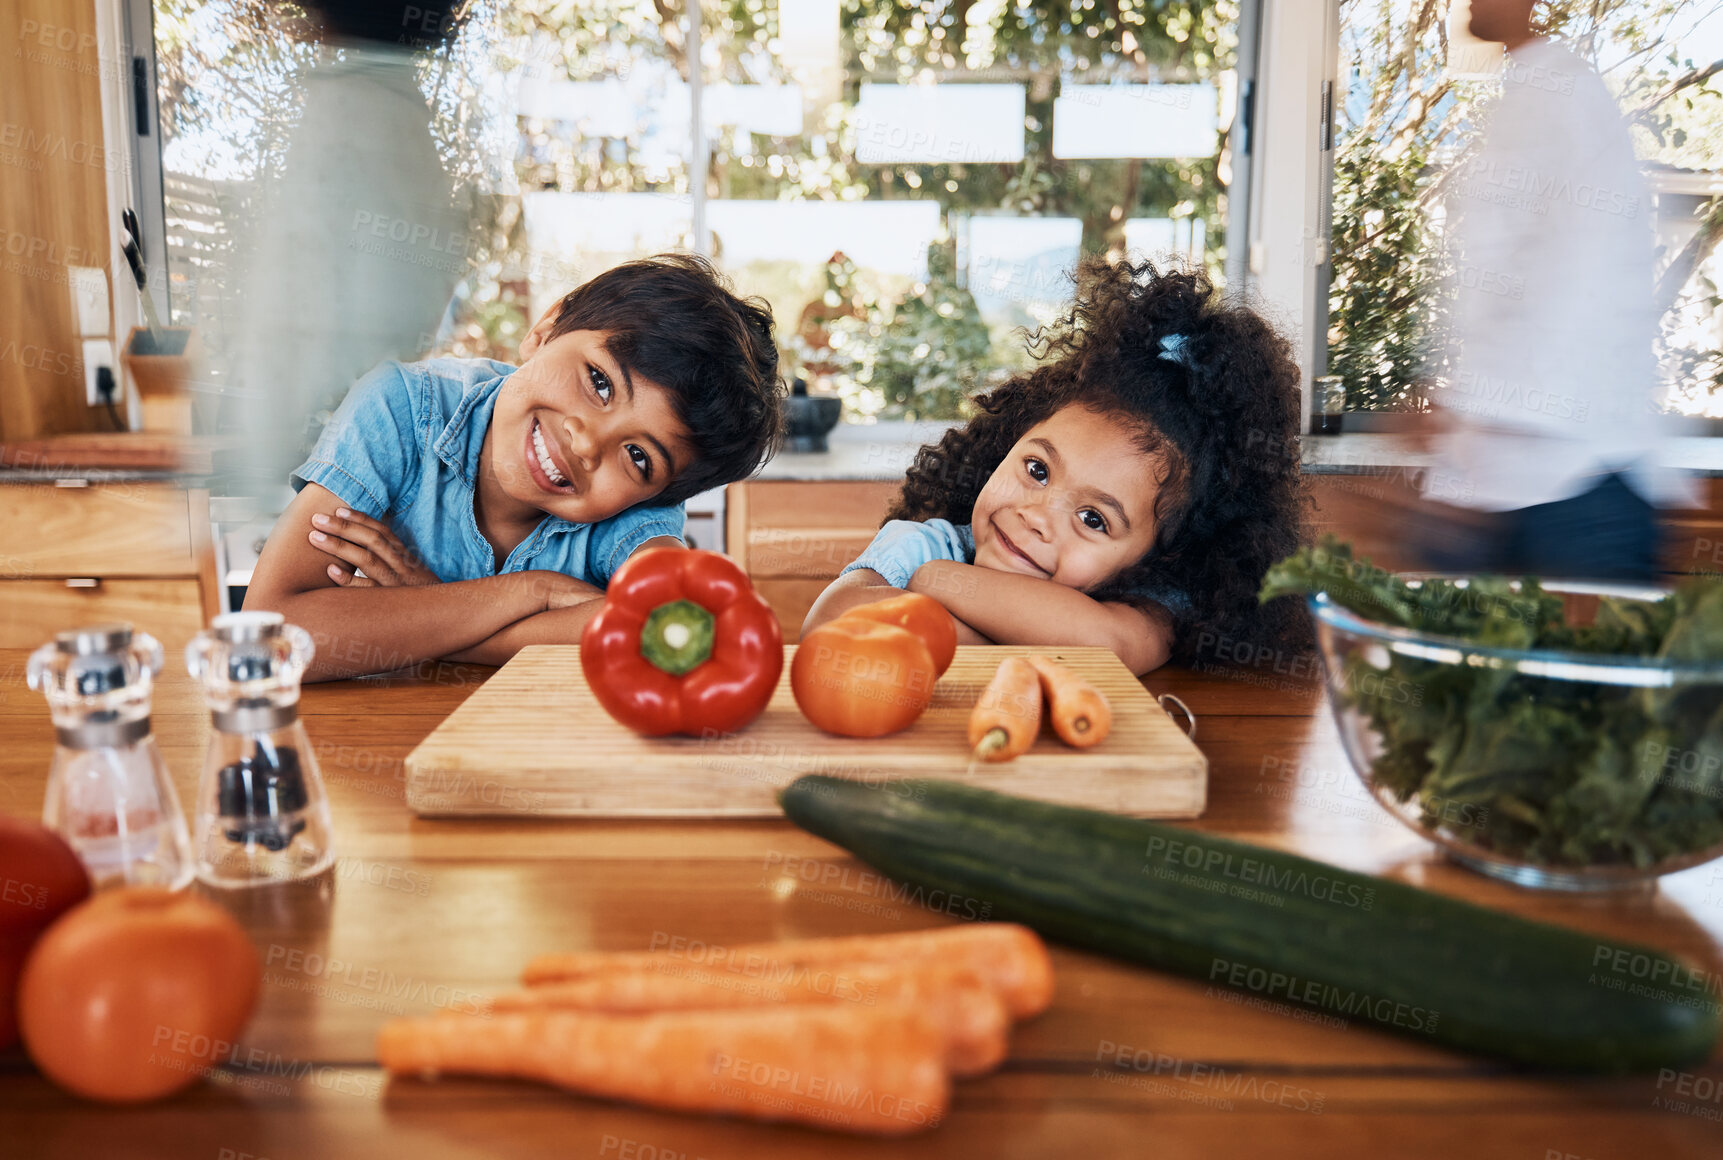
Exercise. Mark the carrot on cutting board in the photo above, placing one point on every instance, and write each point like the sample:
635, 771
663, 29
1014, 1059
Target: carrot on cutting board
969, 1013
1006, 719
874, 1070
1012, 959
1081, 714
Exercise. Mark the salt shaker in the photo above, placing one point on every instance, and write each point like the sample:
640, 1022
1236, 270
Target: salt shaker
262, 815
109, 793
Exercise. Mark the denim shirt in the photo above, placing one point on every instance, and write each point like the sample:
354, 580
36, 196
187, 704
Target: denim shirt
404, 448
902, 546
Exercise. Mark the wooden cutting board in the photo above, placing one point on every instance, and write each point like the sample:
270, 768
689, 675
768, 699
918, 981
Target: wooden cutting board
534, 741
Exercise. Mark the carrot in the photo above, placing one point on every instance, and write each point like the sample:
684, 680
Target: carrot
1006, 719
870, 1070
968, 1012
1011, 958
1081, 715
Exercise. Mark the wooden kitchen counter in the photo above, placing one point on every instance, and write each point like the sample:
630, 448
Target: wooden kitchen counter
419, 915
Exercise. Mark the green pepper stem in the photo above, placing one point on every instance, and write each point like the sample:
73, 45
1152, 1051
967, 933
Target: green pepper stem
677, 637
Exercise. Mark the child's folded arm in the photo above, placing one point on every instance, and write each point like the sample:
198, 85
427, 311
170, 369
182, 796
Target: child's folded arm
883, 570
1016, 609
860, 586
373, 629
562, 625
552, 626
851, 590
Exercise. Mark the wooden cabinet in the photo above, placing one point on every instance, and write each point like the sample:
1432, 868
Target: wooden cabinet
1366, 511
113, 529
1693, 537
74, 553
31, 611
54, 171
1370, 511
793, 537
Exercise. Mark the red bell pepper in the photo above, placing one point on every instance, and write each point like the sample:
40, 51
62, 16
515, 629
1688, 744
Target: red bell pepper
683, 644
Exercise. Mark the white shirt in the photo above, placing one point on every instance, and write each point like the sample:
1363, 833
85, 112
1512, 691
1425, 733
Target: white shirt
1554, 316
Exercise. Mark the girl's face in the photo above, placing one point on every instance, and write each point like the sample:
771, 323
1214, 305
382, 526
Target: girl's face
1073, 502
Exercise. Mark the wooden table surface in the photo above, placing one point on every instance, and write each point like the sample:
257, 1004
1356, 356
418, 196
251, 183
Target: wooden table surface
423, 914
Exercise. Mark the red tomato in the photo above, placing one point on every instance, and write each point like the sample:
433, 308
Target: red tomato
136, 993
40, 879
862, 678
12, 955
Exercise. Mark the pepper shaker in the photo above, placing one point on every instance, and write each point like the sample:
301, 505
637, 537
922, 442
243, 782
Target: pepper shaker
262, 815
109, 793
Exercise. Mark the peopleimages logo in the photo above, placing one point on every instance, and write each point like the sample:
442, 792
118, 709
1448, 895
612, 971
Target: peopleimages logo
59, 147
1656, 976
769, 1085
1216, 865
1208, 1084
1316, 994
1537, 76
1521, 186
1501, 392
854, 888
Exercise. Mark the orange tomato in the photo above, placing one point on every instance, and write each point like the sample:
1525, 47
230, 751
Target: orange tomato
40, 879
862, 678
137, 993
922, 615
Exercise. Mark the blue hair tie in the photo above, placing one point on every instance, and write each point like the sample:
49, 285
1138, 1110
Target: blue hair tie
1173, 350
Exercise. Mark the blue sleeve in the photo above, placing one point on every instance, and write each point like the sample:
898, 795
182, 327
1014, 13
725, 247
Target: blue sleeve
371, 447
1172, 599
616, 538
902, 546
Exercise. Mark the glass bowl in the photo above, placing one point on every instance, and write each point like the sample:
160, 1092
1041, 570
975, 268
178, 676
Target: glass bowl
1560, 770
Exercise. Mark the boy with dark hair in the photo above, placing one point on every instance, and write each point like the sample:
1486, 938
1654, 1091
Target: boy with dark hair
462, 509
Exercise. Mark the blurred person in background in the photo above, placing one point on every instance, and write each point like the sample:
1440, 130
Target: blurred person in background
1546, 426
357, 248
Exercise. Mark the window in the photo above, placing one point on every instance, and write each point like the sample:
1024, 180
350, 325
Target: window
1411, 88
908, 183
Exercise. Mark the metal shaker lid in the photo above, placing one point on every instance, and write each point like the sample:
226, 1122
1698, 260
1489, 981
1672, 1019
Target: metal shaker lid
250, 638
247, 627
98, 655
95, 639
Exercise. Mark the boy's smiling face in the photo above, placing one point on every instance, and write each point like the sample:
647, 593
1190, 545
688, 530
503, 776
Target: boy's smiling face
578, 435
1072, 502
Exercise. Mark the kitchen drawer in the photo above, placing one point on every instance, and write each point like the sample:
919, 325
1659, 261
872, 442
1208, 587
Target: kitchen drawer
1710, 502
1692, 545
32, 611
847, 503
803, 529
117, 529
803, 553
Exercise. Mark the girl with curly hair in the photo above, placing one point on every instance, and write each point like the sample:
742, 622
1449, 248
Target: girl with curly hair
1129, 492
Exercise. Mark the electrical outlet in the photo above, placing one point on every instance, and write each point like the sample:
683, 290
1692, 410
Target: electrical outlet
89, 287
98, 353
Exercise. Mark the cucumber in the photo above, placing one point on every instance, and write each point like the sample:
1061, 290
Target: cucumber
1286, 929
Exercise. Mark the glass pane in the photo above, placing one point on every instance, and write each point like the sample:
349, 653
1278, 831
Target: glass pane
908, 183
326, 201
952, 117
1416, 91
